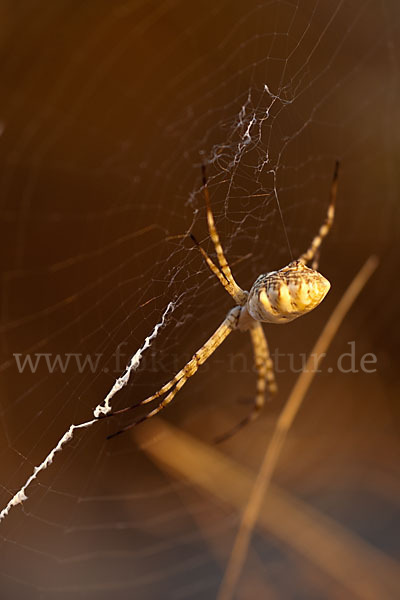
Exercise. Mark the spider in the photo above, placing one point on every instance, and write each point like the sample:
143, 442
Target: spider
275, 297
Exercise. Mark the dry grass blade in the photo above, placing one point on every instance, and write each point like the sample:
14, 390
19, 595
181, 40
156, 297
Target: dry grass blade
363, 571
290, 410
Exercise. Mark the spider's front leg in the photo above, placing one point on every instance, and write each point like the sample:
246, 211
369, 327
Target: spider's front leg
173, 386
265, 378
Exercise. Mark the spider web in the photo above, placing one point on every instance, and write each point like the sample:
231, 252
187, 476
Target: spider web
108, 112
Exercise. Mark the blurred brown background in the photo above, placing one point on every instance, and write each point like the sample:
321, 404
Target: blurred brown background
106, 111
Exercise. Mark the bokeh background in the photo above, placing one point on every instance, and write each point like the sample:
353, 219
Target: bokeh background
107, 111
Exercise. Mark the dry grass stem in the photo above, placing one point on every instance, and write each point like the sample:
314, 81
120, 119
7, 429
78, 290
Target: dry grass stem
286, 418
364, 572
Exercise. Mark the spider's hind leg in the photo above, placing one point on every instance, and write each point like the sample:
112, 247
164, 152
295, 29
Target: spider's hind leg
238, 294
312, 254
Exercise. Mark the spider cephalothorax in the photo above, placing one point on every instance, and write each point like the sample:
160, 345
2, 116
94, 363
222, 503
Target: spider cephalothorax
275, 297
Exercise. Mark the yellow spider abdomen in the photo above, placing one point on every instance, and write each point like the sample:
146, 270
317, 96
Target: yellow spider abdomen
281, 296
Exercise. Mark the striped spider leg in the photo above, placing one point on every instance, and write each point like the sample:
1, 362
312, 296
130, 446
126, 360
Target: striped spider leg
314, 249
275, 297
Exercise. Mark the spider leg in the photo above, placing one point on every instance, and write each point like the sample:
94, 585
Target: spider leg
315, 261
213, 267
264, 364
313, 251
265, 379
178, 381
240, 296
